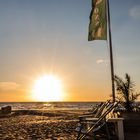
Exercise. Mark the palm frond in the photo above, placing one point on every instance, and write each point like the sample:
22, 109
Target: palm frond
125, 91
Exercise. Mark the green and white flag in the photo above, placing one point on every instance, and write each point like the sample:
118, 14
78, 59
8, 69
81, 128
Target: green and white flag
98, 21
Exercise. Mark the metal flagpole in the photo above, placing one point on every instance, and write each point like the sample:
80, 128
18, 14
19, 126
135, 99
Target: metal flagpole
111, 52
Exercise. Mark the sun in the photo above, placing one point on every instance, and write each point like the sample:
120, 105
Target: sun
48, 88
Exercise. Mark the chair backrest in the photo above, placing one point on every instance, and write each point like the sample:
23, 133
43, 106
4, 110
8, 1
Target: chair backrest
96, 108
96, 112
102, 109
109, 107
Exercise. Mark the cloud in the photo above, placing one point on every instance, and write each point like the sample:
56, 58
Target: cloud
99, 61
135, 12
6, 86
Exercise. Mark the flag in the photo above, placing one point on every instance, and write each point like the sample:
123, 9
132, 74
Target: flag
98, 21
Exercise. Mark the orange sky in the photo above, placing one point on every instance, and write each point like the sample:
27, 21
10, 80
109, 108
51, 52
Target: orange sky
51, 37
71, 91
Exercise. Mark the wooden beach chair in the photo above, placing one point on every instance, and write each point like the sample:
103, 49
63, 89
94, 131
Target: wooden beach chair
97, 111
93, 128
95, 114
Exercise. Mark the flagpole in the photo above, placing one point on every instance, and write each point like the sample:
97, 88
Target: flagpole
111, 52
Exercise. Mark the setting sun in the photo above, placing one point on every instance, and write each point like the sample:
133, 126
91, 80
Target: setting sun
47, 88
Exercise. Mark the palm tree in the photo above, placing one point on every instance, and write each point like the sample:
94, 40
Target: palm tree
125, 91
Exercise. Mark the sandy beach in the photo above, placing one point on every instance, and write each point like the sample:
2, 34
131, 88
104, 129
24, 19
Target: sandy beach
51, 125
40, 125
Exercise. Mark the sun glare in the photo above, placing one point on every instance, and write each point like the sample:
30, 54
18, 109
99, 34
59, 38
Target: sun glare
48, 88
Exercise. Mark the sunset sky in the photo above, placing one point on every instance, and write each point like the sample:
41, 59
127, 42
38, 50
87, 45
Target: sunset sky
43, 37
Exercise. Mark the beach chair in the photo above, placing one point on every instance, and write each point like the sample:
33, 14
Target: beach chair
95, 108
97, 111
97, 127
95, 114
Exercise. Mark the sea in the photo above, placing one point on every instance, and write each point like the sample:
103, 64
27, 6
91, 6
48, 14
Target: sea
49, 105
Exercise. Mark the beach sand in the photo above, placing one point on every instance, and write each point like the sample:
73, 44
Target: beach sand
38, 125
51, 125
